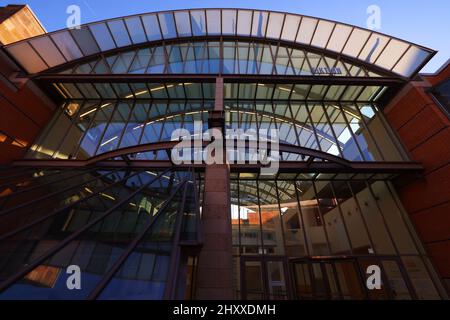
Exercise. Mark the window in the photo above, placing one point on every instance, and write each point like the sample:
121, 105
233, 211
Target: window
442, 94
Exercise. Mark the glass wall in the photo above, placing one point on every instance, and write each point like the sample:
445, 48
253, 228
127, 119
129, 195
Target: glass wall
227, 57
300, 220
93, 218
355, 132
81, 130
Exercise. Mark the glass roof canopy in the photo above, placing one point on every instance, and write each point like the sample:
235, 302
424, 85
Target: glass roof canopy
232, 91
381, 52
214, 57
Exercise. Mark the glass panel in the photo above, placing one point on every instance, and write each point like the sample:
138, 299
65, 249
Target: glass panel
151, 26
320, 283
291, 25
292, 221
276, 281
198, 22
48, 51
356, 42
376, 125
123, 63
247, 91
105, 90
394, 218
371, 215
354, 223
244, 22
300, 92
71, 89
228, 22
420, 278
391, 54
47, 144
303, 281
351, 93
93, 135
334, 93
135, 125
254, 280
72, 138
136, 29
275, 25
55, 198
306, 31
369, 93
305, 129
332, 281
259, 23
373, 47
349, 281
48, 280
144, 274
322, 34
339, 37
67, 45
214, 22
85, 41
346, 142
119, 32
412, 59
141, 61
167, 23
113, 133
88, 90
27, 57
333, 220
270, 219
324, 130
312, 219
183, 23
250, 218
442, 93
283, 63
103, 36
396, 282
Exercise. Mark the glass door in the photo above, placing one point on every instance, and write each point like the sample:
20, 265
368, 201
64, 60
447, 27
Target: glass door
346, 278
329, 279
253, 282
264, 278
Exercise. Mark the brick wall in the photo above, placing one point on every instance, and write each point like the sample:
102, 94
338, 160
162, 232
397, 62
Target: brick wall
24, 109
425, 131
24, 112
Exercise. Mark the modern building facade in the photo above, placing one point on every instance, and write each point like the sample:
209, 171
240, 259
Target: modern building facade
88, 177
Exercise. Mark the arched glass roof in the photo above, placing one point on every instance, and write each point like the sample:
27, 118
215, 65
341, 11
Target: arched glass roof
214, 57
367, 47
83, 129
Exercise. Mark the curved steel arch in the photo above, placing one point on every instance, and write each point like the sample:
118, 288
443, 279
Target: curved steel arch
166, 146
57, 48
276, 116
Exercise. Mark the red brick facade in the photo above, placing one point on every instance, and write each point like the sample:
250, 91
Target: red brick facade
24, 110
424, 130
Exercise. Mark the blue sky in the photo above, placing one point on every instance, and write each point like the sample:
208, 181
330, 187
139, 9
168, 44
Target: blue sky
426, 22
